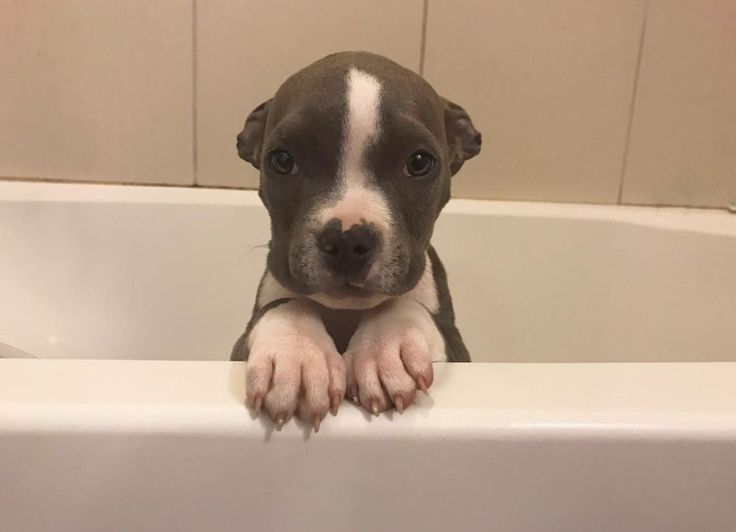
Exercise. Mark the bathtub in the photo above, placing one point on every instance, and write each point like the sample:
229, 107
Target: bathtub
602, 396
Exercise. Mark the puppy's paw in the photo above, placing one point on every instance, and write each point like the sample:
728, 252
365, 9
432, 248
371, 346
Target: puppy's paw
293, 369
390, 357
291, 376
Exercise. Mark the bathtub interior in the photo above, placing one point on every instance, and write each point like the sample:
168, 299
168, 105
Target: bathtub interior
151, 273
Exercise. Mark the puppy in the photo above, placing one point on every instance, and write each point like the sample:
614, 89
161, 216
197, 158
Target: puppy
355, 156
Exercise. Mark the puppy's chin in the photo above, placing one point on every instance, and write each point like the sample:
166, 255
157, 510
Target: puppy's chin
330, 292
349, 298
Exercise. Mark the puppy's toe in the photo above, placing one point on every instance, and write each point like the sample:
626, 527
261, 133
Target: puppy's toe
399, 385
338, 380
370, 392
281, 400
417, 360
258, 381
314, 401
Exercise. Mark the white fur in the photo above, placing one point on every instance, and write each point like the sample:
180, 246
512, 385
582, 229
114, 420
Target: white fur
271, 290
358, 204
402, 317
425, 292
293, 365
393, 347
362, 124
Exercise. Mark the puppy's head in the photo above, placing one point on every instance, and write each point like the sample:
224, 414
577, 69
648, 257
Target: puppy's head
355, 154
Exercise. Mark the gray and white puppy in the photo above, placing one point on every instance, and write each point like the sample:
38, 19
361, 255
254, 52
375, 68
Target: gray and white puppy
355, 154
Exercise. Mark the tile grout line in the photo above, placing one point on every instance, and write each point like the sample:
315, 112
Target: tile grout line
632, 105
423, 37
195, 160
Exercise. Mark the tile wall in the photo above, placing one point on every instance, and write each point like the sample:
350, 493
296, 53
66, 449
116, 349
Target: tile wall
599, 101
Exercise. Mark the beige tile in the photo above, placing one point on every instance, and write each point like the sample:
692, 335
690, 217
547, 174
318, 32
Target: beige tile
97, 91
549, 84
683, 140
246, 49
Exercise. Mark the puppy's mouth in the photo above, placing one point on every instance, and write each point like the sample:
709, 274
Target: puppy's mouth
348, 296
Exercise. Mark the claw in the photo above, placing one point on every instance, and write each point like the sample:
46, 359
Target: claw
280, 422
399, 402
335, 403
257, 404
422, 385
317, 422
374, 407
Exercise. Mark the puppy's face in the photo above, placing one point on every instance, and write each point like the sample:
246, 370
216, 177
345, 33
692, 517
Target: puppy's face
356, 155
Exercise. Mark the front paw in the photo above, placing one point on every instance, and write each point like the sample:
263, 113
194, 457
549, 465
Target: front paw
292, 373
389, 358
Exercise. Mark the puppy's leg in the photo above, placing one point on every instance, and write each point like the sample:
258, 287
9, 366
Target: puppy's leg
391, 353
293, 365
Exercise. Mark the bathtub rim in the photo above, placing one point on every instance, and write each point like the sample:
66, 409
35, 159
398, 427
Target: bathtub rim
610, 401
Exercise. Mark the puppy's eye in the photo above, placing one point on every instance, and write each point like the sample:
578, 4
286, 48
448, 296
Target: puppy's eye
419, 164
282, 162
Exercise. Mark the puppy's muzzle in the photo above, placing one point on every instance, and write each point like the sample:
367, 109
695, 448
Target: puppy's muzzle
348, 253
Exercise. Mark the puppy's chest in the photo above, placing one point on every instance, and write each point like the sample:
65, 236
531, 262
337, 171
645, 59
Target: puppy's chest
341, 325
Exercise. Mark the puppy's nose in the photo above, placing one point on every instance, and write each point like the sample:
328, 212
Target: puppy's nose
347, 251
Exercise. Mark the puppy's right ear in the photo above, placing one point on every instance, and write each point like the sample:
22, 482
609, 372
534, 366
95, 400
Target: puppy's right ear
250, 140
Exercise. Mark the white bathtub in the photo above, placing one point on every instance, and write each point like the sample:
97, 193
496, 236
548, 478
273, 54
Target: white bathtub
164, 279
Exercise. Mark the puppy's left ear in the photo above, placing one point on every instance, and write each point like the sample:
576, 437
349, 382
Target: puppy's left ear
250, 140
463, 139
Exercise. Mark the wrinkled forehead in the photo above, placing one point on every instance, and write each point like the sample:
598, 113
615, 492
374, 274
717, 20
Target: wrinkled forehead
319, 101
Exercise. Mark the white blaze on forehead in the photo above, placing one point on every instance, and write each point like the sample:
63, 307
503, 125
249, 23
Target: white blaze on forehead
361, 124
357, 201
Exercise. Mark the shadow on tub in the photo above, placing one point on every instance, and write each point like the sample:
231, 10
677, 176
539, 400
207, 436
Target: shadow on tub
8, 351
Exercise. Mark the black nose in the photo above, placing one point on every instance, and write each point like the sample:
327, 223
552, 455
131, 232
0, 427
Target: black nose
347, 251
